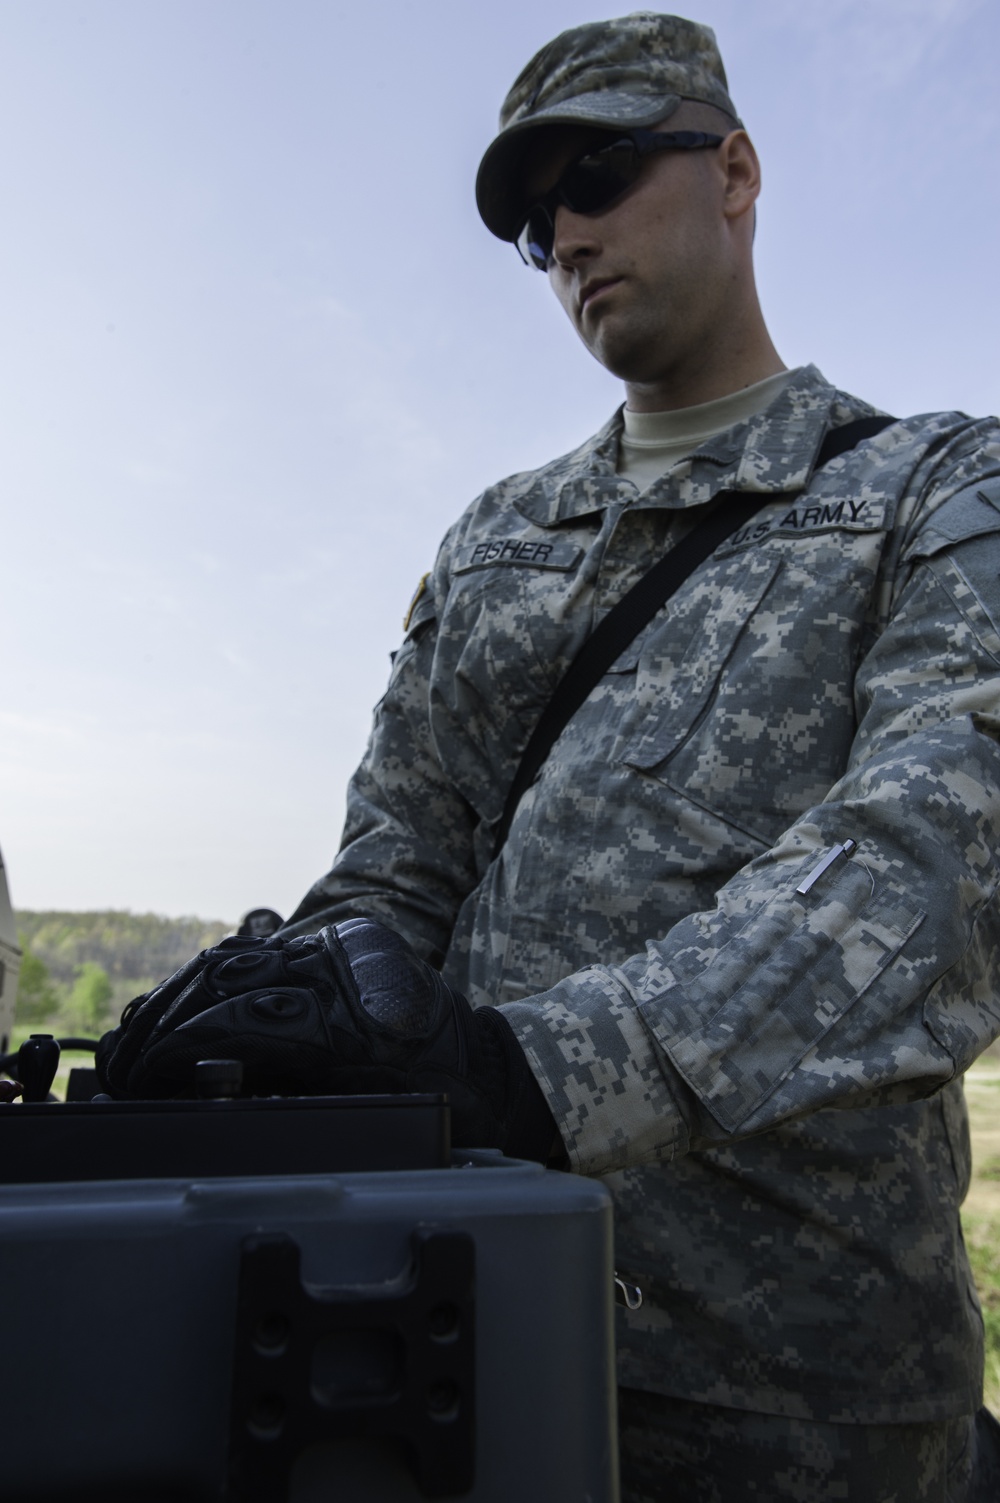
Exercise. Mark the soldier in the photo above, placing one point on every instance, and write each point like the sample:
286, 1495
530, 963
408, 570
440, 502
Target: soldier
727, 939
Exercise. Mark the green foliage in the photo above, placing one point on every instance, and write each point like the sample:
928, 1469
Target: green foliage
80, 969
89, 999
37, 998
127, 946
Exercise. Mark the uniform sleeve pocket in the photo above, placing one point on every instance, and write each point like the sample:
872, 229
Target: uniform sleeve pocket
736, 1028
970, 513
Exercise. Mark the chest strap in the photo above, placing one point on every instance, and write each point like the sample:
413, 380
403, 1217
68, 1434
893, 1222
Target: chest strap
636, 609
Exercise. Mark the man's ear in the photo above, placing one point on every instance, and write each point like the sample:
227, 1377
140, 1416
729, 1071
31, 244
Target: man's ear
740, 167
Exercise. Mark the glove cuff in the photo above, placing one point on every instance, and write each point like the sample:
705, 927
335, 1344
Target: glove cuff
530, 1130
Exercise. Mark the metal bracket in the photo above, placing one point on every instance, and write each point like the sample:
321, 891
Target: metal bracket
313, 1366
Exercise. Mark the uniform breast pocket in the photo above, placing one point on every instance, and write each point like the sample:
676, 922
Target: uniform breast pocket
743, 696
489, 683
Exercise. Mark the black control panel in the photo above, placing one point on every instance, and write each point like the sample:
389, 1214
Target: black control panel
48, 1142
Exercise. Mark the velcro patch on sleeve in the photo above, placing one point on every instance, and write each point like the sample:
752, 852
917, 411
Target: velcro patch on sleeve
418, 595
970, 513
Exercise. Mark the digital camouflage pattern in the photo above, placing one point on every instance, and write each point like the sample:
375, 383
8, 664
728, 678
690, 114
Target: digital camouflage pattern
672, 1449
768, 1076
642, 56
631, 71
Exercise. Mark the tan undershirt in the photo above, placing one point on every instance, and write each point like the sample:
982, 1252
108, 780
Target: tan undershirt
654, 441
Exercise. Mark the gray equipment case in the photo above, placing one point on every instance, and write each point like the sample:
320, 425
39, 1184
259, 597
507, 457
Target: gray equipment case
395, 1335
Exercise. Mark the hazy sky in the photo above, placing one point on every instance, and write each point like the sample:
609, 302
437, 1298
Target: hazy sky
257, 351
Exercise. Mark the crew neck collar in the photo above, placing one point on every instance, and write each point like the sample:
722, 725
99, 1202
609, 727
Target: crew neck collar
704, 420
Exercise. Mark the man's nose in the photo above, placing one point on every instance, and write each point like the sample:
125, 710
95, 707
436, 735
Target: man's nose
574, 236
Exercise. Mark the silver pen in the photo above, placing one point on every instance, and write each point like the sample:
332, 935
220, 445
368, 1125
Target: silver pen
847, 849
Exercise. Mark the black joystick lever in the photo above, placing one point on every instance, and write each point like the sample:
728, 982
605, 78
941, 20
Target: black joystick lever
218, 1079
37, 1063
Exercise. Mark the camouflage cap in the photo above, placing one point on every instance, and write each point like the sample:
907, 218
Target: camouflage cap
632, 71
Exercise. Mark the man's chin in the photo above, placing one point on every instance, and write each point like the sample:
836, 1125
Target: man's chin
630, 360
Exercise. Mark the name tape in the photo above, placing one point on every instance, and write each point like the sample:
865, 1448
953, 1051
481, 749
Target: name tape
533, 553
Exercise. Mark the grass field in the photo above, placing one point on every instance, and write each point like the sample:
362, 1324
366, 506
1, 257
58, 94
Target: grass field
981, 1212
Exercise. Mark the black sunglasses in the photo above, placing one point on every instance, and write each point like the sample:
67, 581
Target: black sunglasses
595, 180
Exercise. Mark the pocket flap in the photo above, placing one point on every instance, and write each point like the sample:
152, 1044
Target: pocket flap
777, 989
672, 692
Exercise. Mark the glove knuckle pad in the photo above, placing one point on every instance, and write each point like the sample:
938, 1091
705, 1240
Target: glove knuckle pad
235, 974
288, 1006
395, 993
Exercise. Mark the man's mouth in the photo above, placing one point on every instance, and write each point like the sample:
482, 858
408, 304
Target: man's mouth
592, 290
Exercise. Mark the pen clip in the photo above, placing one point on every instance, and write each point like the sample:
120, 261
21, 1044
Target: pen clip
847, 849
629, 1295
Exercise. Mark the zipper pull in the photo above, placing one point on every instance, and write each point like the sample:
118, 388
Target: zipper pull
847, 849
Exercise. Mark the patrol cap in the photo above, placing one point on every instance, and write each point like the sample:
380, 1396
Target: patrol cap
632, 71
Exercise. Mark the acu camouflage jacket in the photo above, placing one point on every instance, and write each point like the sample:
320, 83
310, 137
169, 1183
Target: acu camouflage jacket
762, 1056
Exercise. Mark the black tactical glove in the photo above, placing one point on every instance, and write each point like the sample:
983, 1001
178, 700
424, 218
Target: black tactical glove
351, 1010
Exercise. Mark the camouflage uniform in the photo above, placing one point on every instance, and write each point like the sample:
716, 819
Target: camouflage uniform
767, 1070
672, 1449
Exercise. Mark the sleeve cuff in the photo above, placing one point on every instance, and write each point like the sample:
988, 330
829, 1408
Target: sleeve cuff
601, 1073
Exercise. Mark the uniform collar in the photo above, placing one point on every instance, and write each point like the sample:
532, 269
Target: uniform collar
772, 452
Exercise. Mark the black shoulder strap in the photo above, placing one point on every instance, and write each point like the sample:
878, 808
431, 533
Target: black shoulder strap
636, 609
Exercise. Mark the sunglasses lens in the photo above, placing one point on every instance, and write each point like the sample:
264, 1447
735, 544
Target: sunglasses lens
589, 185
535, 240
596, 180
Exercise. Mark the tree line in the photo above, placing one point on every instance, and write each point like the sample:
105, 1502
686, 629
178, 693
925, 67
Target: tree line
79, 969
